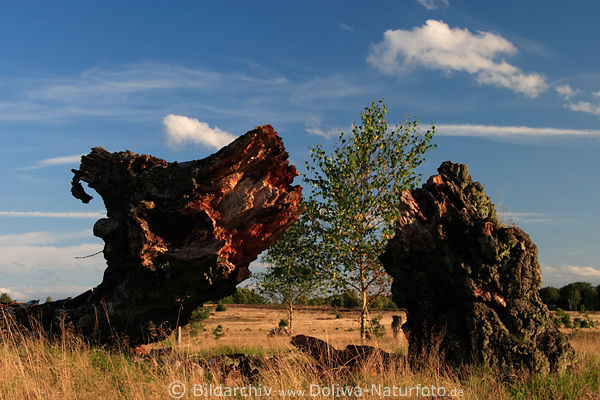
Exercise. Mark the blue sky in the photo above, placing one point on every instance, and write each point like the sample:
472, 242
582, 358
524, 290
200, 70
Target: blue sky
513, 88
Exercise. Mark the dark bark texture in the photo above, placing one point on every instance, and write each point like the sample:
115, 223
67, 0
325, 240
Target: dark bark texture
468, 282
177, 234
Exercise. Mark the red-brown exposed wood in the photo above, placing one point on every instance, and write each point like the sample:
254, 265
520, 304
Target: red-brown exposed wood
177, 234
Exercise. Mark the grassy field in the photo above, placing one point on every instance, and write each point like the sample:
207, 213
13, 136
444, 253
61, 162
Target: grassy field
31, 367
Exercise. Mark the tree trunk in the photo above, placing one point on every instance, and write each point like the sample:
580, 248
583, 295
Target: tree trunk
364, 308
291, 317
176, 236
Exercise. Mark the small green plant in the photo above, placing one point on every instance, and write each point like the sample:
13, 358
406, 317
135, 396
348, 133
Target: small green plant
220, 307
566, 320
199, 315
375, 328
218, 332
283, 323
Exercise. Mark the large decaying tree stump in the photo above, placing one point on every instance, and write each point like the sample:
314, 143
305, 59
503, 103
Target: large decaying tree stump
177, 234
469, 283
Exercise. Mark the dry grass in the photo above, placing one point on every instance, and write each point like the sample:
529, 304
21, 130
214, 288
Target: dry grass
34, 368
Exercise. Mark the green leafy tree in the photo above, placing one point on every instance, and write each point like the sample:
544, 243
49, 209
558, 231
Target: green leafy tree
589, 298
290, 274
570, 296
244, 295
5, 298
550, 296
355, 199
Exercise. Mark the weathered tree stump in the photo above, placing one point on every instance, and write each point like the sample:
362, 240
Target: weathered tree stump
176, 236
353, 356
469, 283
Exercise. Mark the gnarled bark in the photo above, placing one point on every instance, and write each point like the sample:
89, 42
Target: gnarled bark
177, 234
468, 282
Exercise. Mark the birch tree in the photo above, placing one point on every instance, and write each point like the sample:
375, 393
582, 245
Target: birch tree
354, 199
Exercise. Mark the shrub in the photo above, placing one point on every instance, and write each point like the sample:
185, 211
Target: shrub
384, 303
558, 322
375, 328
566, 320
244, 296
220, 307
283, 323
218, 332
199, 315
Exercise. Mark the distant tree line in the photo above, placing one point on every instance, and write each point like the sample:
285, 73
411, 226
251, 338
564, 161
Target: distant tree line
346, 299
577, 296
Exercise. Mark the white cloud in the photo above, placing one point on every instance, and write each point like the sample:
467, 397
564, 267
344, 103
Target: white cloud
510, 131
44, 214
49, 162
583, 271
435, 45
313, 126
41, 238
9, 292
346, 27
433, 4
566, 91
26, 293
565, 274
22, 257
596, 94
585, 107
181, 130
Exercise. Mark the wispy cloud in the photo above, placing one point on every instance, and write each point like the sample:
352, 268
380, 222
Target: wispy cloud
41, 292
437, 46
561, 275
143, 77
181, 130
567, 91
583, 271
134, 91
433, 4
346, 27
139, 92
313, 126
334, 87
510, 131
26, 257
41, 238
585, 107
50, 162
526, 217
46, 214
596, 94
